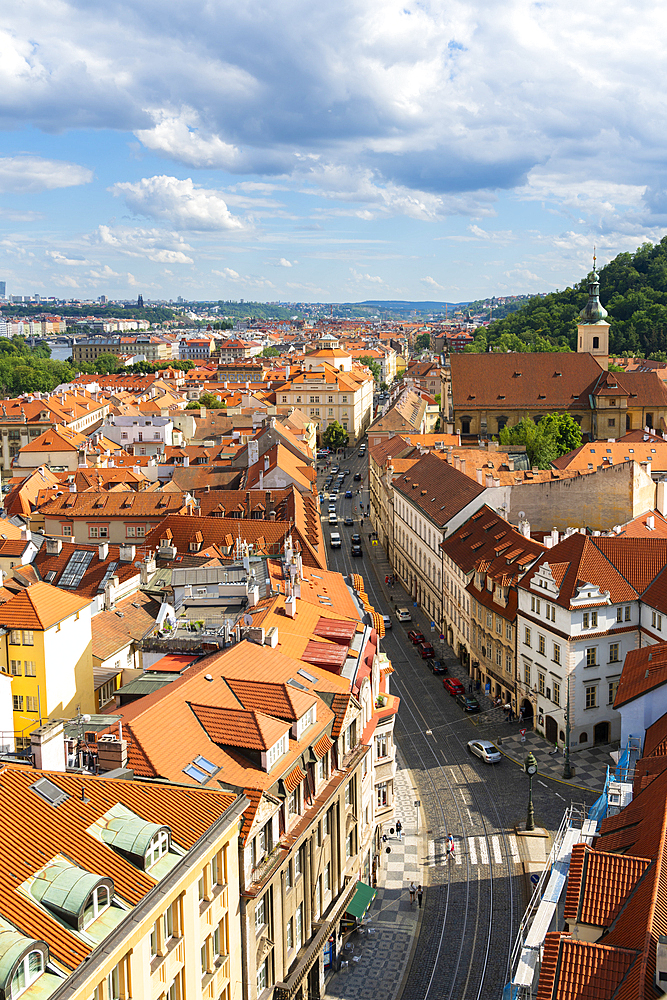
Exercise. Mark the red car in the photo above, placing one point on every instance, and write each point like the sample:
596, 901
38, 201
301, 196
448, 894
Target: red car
453, 685
415, 636
426, 650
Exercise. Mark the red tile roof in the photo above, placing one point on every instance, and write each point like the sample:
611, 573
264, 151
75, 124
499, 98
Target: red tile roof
40, 607
437, 489
643, 670
577, 970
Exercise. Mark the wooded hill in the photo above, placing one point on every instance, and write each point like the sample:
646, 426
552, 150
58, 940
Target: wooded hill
633, 290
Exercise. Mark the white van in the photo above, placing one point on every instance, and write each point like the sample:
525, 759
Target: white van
334, 540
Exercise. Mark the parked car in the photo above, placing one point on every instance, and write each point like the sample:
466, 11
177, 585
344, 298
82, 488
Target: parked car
467, 702
357, 477
332, 508
357, 550
403, 615
426, 650
453, 685
438, 667
415, 635
349, 521
387, 621
485, 750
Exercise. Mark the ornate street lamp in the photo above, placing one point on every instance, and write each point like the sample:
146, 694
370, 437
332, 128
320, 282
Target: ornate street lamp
530, 767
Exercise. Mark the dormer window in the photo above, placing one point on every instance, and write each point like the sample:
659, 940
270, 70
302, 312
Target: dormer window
158, 846
98, 901
306, 720
30, 968
276, 751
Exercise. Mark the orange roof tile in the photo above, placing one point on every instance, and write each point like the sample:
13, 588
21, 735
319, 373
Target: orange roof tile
239, 727
39, 607
294, 779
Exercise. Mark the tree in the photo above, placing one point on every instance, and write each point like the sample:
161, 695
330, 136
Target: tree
372, 365
106, 364
207, 399
423, 342
555, 434
335, 436
270, 352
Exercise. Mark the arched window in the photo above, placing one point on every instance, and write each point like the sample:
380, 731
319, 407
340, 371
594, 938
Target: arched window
465, 425
158, 846
98, 901
502, 421
583, 738
27, 971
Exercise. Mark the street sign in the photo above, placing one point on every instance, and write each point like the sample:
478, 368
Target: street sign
442, 638
417, 803
432, 626
523, 732
535, 877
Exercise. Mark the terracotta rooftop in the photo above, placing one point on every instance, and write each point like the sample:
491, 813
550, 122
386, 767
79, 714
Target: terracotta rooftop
437, 489
643, 670
40, 607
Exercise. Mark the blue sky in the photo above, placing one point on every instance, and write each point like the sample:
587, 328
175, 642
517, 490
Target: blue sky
355, 150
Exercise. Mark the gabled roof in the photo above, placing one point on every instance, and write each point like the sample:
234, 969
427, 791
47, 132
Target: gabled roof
437, 489
580, 560
106, 505
548, 381
643, 670
39, 607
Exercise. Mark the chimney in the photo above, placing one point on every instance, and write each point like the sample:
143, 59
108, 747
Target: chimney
261, 480
510, 464
489, 481
47, 746
26, 534
103, 551
548, 541
290, 607
480, 476
650, 523
127, 553
496, 481
554, 536
525, 528
54, 546
186, 461
661, 496
147, 569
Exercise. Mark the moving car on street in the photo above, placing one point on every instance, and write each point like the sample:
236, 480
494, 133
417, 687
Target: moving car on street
349, 521
467, 702
357, 477
356, 549
334, 540
453, 686
485, 750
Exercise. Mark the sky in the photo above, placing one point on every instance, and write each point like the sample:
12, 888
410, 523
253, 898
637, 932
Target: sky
293, 151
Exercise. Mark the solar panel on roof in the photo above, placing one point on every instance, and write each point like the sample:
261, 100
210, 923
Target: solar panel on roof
76, 567
109, 573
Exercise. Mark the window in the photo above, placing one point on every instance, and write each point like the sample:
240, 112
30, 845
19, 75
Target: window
557, 692
382, 800
381, 745
508, 631
298, 927
540, 683
106, 692
263, 976
327, 824
489, 619
297, 864
541, 644
30, 670
318, 899
260, 914
612, 689
499, 656
289, 934
613, 652
15, 637
349, 845
276, 751
15, 668
27, 971
158, 846
627, 613
67, 530
656, 621
17, 702
98, 901
203, 959
31, 704
98, 530
348, 793
293, 803
526, 636
556, 656
526, 674
611, 421
619, 614
508, 663
591, 697
327, 876
591, 656
535, 604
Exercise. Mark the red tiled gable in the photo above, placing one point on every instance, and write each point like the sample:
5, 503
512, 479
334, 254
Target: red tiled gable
578, 970
639, 560
239, 728
643, 670
599, 885
280, 700
336, 630
329, 655
437, 489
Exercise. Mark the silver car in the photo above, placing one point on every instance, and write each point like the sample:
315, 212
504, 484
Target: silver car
485, 750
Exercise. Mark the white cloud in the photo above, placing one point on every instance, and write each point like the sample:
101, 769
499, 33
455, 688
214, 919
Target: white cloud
431, 283
29, 174
147, 243
283, 262
179, 202
366, 279
229, 273
61, 258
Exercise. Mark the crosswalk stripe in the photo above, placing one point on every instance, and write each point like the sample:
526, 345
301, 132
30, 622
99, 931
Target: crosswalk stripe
514, 848
483, 852
497, 856
471, 850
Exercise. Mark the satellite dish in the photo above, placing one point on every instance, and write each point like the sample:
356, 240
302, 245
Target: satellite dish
522, 513
247, 619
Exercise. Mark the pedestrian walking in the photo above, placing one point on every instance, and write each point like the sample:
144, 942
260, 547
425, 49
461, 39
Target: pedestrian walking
412, 891
470, 686
450, 847
386, 579
420, 893
399, 829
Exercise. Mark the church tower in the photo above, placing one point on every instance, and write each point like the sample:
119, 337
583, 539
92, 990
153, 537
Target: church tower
592, 328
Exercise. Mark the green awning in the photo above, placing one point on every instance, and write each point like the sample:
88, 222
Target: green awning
362, 899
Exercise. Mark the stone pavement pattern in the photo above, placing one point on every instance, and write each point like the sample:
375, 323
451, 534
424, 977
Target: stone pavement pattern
380, 959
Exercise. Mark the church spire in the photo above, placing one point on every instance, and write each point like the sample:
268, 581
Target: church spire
593, 312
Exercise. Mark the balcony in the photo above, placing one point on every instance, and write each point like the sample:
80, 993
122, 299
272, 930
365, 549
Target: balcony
268, 864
